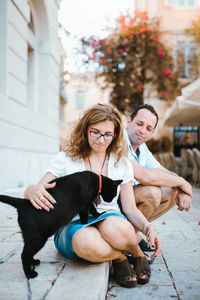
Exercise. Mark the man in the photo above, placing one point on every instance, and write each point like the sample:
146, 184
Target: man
156, 189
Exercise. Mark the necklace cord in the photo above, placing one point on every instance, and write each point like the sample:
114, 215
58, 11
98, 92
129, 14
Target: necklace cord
101, 166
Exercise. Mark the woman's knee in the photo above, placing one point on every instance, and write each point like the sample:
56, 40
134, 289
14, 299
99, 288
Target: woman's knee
83, 239
88, 244
118, 230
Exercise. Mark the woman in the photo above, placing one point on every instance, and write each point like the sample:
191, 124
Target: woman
96, 144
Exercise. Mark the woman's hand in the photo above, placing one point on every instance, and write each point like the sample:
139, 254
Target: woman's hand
39, 197
153, 240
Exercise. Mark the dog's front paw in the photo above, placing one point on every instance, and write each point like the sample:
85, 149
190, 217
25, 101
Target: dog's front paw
32, 274
35, 262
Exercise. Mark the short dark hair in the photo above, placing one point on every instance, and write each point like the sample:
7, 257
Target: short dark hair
144, 106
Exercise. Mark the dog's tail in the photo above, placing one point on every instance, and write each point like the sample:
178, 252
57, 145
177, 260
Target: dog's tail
16, 202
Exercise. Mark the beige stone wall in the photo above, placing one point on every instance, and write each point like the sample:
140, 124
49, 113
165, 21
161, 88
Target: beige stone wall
29, 89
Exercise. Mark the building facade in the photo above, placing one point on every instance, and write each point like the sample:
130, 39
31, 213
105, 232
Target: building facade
83, 90
176, 16
29, 89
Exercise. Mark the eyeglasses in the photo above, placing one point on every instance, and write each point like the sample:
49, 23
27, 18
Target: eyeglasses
108, 137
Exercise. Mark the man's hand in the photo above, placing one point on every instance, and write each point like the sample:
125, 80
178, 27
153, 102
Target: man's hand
183, 201
186, 187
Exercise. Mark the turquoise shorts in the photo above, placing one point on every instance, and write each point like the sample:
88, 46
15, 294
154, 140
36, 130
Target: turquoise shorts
63, 237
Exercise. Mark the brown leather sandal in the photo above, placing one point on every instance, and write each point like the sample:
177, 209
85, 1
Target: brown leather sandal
124, 273
142, 268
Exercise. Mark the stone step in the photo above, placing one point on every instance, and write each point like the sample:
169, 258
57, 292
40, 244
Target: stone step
81, 280
58, 277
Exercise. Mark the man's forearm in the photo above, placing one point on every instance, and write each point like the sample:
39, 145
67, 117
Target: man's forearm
165, 178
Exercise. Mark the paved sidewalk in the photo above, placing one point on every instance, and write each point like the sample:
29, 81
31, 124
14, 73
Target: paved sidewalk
175, 273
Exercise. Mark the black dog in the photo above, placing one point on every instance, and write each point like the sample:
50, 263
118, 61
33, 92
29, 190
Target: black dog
74, 194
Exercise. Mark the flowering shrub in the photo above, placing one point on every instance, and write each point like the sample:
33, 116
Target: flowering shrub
131, 57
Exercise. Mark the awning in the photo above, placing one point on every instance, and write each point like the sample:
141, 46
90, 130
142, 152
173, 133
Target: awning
185, 111
184, 117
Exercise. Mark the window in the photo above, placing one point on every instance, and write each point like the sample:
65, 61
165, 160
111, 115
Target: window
31, 37
181, 3
3, 45
31, 77
186, 59
79, 99
185, 137
191, 3
171, 3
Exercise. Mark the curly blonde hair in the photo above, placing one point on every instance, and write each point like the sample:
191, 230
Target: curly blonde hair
77, 146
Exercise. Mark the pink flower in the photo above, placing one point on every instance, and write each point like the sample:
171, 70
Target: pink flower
164, 94
109, 50
122, 19
140, 87
125, 41
161, 54
142, 29
121, 50
199, 223
102, 61
163, 222
165, 71
156, 38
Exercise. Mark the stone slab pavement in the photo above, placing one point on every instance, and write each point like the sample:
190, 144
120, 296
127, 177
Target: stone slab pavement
58, 277
175, 273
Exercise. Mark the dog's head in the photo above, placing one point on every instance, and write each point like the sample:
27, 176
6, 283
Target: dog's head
109, 188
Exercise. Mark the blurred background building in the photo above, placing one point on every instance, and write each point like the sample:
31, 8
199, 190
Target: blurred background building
39, 102
176, 16
83, 90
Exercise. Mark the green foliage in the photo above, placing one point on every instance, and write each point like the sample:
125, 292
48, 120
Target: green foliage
130, 58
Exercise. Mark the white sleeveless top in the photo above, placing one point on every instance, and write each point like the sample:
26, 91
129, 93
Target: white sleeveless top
62, 165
